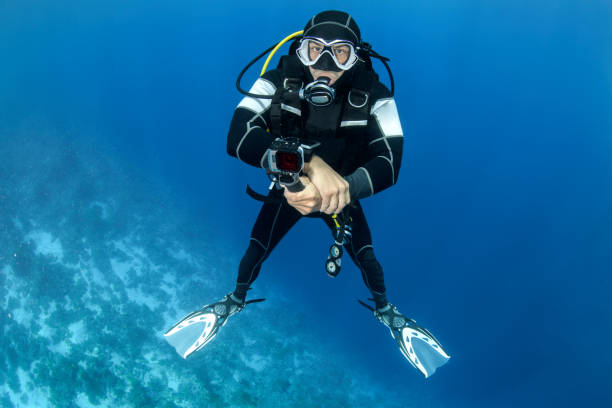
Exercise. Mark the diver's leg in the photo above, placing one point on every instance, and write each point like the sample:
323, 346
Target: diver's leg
415, 342
361, 252
273, 222
198, 328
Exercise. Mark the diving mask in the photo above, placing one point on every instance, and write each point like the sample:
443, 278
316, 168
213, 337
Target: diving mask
342, 52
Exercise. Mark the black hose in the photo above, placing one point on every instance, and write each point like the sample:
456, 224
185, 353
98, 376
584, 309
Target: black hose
245, 69
384, 60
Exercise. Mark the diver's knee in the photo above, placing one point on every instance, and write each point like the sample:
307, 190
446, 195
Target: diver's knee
254, 254
367, 257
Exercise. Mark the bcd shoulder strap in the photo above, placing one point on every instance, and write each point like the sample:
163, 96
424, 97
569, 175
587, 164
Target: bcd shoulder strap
357, 107
286, 98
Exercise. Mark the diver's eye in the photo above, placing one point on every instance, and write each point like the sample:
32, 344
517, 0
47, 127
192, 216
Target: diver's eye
315, 46
341, 50
341, 53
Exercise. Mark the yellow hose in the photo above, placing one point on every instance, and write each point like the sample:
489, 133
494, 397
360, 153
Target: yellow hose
280, 44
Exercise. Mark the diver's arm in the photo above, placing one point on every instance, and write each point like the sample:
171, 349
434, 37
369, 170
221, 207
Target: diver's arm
248, 139
385, 140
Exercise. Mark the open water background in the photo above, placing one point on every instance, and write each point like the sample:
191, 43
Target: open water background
497, 237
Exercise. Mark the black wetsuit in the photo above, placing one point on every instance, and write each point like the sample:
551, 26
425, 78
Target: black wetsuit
368, 155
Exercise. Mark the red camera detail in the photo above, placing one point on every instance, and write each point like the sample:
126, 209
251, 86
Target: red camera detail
288, 161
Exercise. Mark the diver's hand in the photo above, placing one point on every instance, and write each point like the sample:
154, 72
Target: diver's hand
334, 189
306, 201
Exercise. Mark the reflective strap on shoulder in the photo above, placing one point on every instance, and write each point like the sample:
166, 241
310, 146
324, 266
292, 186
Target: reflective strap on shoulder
293, 79
356, 110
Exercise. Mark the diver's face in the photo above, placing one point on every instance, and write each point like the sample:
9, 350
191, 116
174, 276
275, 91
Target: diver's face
332, 75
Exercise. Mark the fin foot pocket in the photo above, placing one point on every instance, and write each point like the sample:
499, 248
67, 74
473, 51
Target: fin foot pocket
416, 343
198, 328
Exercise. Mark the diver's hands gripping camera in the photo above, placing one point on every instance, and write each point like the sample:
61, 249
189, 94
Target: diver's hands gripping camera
284, 162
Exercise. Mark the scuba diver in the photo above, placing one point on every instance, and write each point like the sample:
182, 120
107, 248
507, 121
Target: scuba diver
328, 134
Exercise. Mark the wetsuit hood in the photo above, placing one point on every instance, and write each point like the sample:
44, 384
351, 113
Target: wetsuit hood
333, 25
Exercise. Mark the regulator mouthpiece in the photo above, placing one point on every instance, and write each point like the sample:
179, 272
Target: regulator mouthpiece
318, 93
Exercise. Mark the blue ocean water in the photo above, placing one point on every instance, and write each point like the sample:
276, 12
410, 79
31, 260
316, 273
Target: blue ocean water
120, 210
